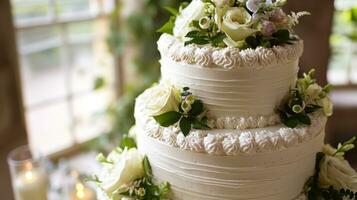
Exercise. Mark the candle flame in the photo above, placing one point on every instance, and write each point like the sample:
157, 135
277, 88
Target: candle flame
29, 175
80, 190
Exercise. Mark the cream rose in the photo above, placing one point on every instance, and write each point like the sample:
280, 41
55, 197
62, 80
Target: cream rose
338, 173
236, 24
327, 106
313, 91
163, 97
194, 11
127, 167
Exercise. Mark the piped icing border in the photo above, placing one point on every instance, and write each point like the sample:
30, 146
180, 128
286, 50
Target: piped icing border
229, 122
228, 58
234, 143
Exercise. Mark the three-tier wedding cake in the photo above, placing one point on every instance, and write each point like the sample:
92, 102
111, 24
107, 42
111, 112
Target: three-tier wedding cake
230, 120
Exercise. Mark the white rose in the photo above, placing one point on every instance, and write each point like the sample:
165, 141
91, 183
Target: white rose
163, 97
327, 106
313, 91
222, 3
194, 11
338, 173
127, 167
236, 24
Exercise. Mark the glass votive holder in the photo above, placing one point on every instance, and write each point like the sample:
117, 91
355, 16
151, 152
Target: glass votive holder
29, 179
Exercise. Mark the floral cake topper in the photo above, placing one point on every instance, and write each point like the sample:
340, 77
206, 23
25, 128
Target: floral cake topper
234, 23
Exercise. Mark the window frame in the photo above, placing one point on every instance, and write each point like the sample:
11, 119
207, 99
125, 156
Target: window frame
62, 23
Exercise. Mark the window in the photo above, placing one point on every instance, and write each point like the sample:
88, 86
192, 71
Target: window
343, 64
62, 51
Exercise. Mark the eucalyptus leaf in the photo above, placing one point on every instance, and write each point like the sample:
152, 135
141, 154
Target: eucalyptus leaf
167, 119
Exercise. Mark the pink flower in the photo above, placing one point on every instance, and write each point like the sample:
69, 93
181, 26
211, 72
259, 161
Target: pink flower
268, 28
277, 16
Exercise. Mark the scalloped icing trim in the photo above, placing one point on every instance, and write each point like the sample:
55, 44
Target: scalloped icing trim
229, 122
233, 143
228, 58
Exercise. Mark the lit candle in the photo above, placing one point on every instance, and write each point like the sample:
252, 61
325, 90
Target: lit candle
30, 185
83, 193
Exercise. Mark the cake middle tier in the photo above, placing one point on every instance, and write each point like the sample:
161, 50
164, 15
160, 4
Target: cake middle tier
251, 89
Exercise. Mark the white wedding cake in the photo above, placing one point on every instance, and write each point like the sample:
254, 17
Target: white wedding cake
230, 120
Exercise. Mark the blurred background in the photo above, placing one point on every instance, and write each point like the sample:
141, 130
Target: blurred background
71, 69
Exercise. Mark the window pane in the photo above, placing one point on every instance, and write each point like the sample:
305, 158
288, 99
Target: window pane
43, 76
70, 8
30, 10
90, 59
38, 39
89, 114
80, 32
49, 128
82, 71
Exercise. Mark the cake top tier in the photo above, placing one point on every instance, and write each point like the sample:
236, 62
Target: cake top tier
241, 24
229, 58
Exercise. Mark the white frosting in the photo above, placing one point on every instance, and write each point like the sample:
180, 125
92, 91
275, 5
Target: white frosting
272, 175
227, 58
242, 92
234, 142
228, 122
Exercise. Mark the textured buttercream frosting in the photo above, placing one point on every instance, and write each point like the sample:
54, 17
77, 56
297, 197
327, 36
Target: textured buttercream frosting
228, 58
266, 175
236, 86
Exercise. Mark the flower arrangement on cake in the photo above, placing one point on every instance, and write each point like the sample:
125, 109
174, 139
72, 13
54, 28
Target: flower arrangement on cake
233, 23
127, 175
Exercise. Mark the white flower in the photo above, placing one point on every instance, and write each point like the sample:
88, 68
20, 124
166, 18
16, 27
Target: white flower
327, 106
222, 3
162, 98
205, 22
236, 24
127, 167
253, 5
194, 11
186, 107
338, 173
313, 91
329, 150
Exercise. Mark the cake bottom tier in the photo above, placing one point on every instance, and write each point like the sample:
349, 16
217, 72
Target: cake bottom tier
277, 175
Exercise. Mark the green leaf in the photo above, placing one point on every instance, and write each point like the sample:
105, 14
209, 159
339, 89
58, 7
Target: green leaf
99, 83
197, 108
185, 126
303, 118
147, 167
283, 35
198, 40
171, 10
168, 27
193, 34
167, 119
127, 142
251, 41
201, 125
218, 39
291, 122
